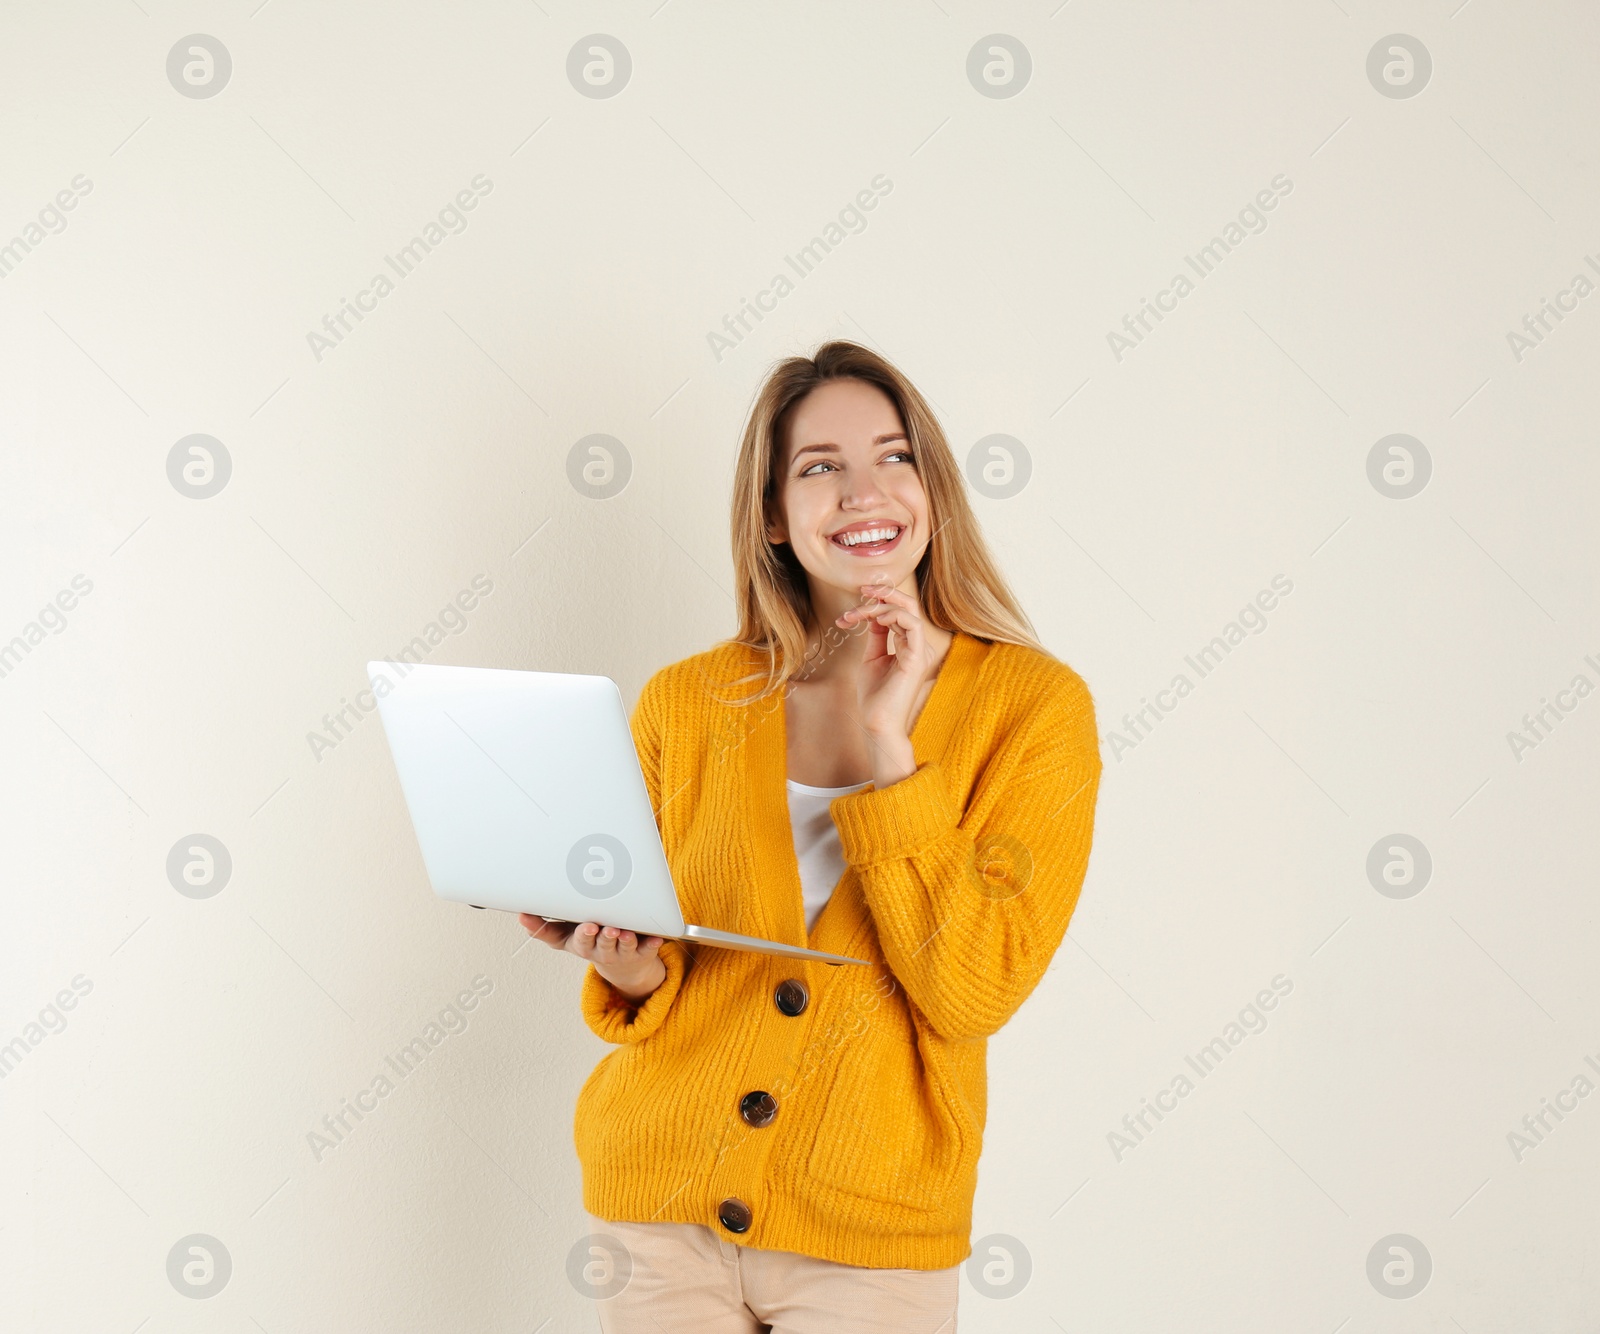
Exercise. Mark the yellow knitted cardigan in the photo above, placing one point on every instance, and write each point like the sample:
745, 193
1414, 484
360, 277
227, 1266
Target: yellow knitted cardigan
959, 883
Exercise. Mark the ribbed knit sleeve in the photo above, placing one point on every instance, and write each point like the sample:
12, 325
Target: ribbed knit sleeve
970, 909
649, 728
605, 1010
621, 1021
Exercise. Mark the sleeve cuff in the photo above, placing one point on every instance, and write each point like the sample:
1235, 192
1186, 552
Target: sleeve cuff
616, 1019
899, 820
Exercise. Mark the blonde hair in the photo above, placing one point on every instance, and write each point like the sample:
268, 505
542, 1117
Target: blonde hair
958, 583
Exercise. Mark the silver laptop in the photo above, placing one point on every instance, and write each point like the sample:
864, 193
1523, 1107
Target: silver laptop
526, 795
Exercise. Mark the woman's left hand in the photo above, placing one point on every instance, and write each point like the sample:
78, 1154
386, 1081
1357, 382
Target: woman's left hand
889, 683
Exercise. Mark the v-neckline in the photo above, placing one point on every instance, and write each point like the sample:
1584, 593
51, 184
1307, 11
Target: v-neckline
776, 911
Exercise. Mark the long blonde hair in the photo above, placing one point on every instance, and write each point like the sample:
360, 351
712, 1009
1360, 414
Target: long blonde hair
958, 583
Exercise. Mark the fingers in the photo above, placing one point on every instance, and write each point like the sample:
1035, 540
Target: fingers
882, 616
886, 617
879, 593
590, 940
546, 932
880, 600
898, 634
608, 944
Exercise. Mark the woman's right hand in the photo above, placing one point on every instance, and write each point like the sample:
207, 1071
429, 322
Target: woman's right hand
632, 964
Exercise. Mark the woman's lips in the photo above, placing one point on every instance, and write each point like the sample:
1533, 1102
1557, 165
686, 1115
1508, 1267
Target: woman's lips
870, 548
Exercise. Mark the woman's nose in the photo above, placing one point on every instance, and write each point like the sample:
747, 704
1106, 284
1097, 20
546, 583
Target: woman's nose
860, 493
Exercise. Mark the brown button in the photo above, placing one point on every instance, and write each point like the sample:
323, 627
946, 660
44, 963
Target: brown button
758, 1109
734, 1214
791, 996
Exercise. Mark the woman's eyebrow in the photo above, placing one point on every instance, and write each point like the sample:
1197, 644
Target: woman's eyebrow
830, 448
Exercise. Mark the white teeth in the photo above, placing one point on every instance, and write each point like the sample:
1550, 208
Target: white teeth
869, 535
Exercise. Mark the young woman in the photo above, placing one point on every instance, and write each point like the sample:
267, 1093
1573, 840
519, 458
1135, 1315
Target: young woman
884, 763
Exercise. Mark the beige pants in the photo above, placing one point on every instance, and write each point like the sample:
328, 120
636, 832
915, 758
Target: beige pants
687, 1280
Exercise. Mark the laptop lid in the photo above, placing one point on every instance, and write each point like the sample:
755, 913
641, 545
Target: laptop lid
525, 793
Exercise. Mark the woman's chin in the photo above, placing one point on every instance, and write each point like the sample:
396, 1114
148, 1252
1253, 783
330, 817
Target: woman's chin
849, 580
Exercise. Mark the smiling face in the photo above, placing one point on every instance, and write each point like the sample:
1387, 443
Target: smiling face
850, 502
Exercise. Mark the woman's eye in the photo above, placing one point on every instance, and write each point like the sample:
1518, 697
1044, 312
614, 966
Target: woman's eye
824, 463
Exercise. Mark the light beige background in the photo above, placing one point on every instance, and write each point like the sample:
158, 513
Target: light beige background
1168, 488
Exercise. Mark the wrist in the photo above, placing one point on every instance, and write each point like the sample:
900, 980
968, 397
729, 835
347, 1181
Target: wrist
636, 985
892, 760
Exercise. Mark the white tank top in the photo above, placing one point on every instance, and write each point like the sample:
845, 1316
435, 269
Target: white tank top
816, 843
